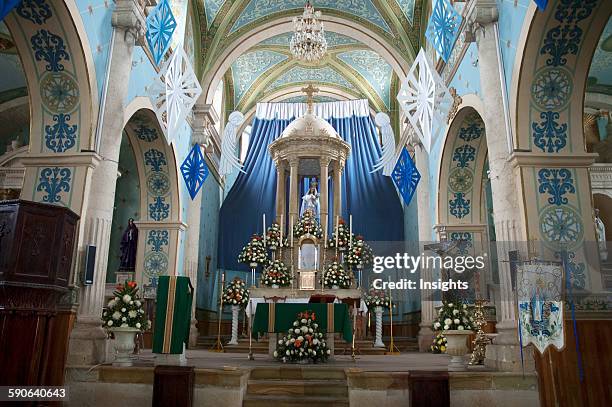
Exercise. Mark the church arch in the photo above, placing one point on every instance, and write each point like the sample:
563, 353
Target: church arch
58, 66
461, 201
550, 157
277, 26
159, 206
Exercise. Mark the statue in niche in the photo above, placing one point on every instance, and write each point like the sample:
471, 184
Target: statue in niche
310, 201
129, 243
600, 229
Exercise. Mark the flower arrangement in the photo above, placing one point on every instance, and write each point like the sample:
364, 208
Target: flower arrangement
336, 275
276, 274
377, 298
307, 224
359, 253
343, 233
303, 342
453, 316
254, 253
125, 310
273, 237
439, 344
236, 293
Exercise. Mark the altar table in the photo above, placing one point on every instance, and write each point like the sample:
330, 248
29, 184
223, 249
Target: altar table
279, 317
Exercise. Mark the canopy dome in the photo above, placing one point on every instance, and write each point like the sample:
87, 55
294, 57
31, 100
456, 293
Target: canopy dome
310, 125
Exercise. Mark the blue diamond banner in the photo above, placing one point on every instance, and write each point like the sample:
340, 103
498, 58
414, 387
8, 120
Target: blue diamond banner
194, 170
6, 6
541, 4
443, 28
405, 176
160, 27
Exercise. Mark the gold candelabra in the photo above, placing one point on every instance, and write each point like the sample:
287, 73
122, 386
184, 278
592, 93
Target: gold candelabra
218, 346
481, 340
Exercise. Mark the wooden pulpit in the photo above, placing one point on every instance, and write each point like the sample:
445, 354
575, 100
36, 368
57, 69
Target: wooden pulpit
36, 253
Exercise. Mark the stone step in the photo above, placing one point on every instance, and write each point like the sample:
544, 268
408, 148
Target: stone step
310, 388
292, 401
310, 373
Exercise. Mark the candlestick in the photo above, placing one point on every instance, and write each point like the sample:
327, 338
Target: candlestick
282, 226
325, 233
264, 228
291, 229
337, 228
351, 231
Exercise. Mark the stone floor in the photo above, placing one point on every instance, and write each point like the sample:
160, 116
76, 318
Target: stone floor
403, 362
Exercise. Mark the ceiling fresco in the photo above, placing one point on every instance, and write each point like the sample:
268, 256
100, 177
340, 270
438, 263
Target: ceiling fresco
258, 9
600, 73
352, 67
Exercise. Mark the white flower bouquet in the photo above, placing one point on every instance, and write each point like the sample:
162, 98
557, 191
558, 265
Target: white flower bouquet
453, 316
254, 253
276, 274
307, 225
304, 341
336, 275
377, 298
359, 254
236, 293
343, 233
273, 237
125, 309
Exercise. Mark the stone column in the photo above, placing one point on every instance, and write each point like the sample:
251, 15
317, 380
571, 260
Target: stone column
337, 190
201, 133
281, 193
293, 189
421, 159
324, 163
87, 339
504, 354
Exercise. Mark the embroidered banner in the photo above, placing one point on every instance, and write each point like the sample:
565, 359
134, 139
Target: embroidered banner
540, 305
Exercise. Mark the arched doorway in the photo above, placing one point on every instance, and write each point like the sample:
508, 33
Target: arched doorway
148, 192
463, 185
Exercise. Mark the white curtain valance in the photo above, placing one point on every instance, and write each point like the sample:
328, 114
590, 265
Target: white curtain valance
325, 110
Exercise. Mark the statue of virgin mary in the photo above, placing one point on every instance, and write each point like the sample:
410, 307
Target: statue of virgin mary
310, 201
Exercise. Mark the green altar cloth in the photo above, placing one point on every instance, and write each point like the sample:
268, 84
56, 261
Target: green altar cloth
172, 314
280, 317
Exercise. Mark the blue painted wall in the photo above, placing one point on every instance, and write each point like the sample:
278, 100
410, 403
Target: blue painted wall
209, 232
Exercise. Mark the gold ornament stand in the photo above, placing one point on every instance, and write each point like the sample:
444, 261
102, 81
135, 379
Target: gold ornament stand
481, 341
218, 346
393, 350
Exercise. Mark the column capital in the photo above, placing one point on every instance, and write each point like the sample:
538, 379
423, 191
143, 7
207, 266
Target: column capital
484, 12
293, 162
129, 16
281, 165
204, 119
324, 161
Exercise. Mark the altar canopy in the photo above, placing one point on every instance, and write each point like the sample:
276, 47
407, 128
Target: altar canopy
370, 197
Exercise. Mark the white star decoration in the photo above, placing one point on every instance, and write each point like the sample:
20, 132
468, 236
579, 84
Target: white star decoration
425, 100
174, 93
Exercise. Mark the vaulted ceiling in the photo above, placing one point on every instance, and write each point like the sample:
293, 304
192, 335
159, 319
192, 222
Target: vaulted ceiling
266, 70
600, 73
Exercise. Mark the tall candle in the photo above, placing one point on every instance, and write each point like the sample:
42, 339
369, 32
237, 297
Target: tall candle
337, 227
291, 229
325, 232
264, 227
282, 226
351, 231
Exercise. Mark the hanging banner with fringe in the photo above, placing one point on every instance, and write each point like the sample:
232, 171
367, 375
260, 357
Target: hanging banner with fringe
540, 304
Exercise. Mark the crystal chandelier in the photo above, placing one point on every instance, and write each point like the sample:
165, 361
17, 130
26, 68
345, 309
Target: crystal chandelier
308, 42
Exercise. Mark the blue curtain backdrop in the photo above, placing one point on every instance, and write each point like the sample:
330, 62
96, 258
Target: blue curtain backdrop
251, 195
371, 198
